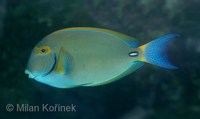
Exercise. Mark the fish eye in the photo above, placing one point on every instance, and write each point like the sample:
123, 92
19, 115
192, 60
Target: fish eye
43, 49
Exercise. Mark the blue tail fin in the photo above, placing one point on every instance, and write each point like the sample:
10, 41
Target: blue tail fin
154, 52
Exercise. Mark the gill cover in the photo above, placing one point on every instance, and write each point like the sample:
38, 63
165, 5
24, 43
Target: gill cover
41, 62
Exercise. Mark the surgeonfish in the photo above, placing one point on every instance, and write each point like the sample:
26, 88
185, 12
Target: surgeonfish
84, 56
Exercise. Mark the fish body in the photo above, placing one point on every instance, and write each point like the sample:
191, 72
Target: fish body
84, 56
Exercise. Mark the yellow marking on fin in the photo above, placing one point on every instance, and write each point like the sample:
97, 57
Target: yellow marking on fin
142, 48
60, 66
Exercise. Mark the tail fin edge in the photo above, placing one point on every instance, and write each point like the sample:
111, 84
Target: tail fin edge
154, 52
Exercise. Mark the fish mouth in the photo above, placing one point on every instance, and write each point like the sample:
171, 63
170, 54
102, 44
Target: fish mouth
32, 76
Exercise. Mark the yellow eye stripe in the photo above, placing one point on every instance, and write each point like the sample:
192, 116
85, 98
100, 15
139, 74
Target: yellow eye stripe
43, 49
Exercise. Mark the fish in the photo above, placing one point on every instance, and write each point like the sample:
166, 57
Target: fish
87, 56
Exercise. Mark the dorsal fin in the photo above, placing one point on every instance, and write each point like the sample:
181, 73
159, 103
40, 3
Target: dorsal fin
128, 39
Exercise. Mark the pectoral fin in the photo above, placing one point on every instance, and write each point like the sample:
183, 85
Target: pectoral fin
64, 62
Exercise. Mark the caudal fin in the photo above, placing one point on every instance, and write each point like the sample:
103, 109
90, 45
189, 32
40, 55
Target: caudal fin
154, 52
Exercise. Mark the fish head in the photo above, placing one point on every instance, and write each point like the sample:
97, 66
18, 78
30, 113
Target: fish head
41, 62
